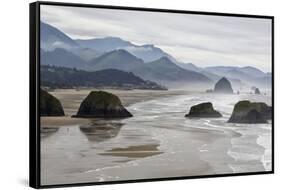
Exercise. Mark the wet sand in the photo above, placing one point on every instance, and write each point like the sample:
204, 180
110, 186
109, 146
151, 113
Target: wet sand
139, 161
140, 151
157, 142
71, 100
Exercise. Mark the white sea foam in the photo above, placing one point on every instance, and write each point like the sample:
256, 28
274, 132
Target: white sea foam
100, 169
264, 141
254, 144
244, 141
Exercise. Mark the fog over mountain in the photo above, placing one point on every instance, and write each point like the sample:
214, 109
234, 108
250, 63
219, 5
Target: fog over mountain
203, 40
104, 44
62, 57
164, 69
146, 52
116, 59
247, 75
52, 38
146, 61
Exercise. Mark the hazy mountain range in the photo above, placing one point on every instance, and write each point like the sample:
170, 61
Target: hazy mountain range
146, 61
63, 77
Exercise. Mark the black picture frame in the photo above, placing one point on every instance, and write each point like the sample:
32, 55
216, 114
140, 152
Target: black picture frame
34, 117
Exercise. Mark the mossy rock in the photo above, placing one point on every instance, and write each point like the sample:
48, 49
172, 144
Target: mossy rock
50, 105
264, 109
243, 112
203, 110
223, 86
100, 104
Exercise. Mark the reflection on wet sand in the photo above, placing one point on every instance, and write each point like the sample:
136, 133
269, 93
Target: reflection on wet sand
101, 130
48, 131
139, 151
157, 142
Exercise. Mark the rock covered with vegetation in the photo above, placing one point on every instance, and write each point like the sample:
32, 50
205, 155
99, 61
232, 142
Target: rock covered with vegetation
223, 86
203, 110
50, 105
250, 112
100, 104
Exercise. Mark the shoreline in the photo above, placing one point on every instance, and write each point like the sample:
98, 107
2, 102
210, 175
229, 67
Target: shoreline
217, 143
165, 145
266, 157
257, 154
129, 159
71, 100
260, 157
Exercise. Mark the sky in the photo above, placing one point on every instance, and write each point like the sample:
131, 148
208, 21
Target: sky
203, 40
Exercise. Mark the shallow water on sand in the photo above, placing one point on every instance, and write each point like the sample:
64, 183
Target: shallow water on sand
157, 142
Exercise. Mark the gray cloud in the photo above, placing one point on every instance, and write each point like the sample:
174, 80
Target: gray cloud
201, 39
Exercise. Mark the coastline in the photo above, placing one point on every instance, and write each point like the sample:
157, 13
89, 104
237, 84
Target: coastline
156, 156
246, 146
158, 142
189, 160
71, 100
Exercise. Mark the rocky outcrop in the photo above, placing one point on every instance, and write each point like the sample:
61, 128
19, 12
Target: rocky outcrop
264, 109
257, 91
203, 110
100, 104
223, 86
253, 116
250, 112
50, 105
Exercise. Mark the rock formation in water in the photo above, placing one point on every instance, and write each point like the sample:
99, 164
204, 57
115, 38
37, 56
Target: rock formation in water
223, 86
100, 104
264, 109
257, 91
203, 110
250, 112
50, 105
209, 90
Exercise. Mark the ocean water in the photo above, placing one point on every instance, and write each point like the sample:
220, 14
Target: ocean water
250, 143
158, 142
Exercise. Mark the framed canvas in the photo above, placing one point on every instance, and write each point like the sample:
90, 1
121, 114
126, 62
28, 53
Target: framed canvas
126, 94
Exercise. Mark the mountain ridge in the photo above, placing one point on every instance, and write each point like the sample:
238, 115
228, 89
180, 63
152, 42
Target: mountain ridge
59, 49
52, 38
62, 77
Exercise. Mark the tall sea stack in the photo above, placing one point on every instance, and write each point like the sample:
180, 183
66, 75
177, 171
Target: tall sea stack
223, 86
257, 91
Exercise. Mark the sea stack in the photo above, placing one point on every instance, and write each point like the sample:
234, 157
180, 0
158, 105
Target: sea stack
203, 110
257, 91
50, 105
250, 112
223, 86
100, 104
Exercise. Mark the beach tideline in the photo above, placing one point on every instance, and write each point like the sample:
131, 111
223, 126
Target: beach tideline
157, 142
